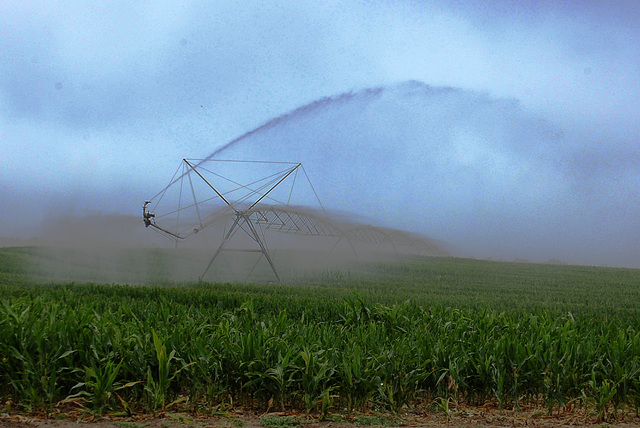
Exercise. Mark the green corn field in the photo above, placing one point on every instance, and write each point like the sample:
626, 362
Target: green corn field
413, 332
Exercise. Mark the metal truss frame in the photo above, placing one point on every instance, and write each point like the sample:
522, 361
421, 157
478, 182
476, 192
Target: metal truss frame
255, 216
250, 214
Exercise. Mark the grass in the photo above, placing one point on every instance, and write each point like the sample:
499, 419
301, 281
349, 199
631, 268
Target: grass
278, 421
389, 336
377, 420
126, 424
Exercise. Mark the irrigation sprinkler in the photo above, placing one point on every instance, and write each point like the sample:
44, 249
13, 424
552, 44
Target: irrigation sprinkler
256, 197
245, 203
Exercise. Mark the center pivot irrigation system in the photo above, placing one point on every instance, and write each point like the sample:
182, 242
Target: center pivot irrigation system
200, 194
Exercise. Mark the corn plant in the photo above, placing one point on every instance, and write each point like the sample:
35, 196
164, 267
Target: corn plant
601, 393
315, 373
157, 388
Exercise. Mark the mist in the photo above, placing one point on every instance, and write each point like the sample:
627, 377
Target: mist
501, 131
482, 175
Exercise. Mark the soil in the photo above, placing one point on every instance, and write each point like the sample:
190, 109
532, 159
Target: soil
485, 416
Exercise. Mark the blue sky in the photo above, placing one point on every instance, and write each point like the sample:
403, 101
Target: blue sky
99, 101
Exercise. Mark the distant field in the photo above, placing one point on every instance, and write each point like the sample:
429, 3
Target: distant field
387, 335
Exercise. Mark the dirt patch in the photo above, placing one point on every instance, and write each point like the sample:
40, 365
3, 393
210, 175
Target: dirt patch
463, 417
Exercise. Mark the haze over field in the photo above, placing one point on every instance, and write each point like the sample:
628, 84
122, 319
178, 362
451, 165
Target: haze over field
505, 130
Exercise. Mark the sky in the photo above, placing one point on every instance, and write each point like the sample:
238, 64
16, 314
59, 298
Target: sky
508, 129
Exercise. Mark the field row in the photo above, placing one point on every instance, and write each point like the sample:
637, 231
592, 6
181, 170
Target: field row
316, 348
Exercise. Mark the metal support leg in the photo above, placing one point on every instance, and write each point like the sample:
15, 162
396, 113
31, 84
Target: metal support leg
230, 233
256, 238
